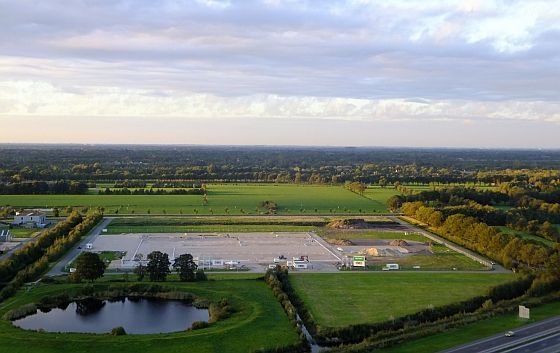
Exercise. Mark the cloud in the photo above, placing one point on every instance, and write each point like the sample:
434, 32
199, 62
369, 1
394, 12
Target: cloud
353, 60
31, 98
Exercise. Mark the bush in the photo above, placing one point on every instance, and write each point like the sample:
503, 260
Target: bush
118, 331
22, 311
197, 325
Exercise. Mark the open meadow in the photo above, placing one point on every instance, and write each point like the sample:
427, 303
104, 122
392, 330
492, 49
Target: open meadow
337, 300
259, 322
235, 199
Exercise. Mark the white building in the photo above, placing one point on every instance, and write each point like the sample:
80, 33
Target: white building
35, 219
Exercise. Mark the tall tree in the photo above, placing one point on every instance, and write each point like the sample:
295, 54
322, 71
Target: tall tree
185, 267
89, 266
158, 266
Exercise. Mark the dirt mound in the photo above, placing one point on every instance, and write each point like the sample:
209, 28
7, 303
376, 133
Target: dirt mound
340, 242
399, 242
383, 252
349, 224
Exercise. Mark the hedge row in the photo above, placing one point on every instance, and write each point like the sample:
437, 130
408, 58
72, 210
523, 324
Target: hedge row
275, 279
58, 246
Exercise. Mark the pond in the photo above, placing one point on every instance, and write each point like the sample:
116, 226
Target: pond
137, 316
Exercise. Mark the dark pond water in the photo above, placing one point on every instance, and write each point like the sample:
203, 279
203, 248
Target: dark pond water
137, 316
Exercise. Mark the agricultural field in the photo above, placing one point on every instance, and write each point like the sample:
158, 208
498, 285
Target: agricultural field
471, 332
235, 199
338, 300
259, 322
526, 236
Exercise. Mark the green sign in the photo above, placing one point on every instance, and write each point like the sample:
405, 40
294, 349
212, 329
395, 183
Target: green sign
359, 258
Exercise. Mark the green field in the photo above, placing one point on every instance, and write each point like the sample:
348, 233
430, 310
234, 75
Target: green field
337, 300
24, 232
472, 332
259, 322
222, 199
367, 234
380, 196
526, 236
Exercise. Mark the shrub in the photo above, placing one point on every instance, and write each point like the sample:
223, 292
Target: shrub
118, 331
22, 311
197, 325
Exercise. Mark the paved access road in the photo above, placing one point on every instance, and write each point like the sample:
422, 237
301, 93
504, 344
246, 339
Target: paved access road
540, 337
72, 254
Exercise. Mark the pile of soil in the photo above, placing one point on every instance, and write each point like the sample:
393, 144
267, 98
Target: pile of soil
399, 242
340, 242
382, 252
349, 224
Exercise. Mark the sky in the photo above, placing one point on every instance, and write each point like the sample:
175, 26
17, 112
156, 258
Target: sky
281, 72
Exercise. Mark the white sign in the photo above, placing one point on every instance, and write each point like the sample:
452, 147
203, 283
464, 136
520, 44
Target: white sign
524, 312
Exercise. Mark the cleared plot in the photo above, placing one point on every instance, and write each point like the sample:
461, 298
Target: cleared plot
442, 259
222, 199
342, 299
259, 322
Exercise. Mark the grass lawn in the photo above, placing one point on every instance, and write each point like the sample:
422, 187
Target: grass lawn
259, 322
472, 332
366, 234
24, 232
219, 228
222, 199
526, 236
337, 300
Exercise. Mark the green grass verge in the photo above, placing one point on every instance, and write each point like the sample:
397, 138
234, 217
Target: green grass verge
259, 322
24, 232
472, 332
219, 228
229, 198
337, 300
366, 234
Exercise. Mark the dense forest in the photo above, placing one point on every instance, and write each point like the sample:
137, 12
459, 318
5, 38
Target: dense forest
184, 164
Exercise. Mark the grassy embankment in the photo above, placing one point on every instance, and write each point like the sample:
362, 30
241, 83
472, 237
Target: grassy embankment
259, 322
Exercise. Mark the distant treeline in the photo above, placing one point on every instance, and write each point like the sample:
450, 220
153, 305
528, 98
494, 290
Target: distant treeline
200, 164
44, 187
152, 191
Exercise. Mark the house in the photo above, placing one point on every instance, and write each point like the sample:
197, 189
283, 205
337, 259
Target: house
30, 219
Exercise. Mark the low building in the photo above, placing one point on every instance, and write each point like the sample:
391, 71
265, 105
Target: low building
31, 219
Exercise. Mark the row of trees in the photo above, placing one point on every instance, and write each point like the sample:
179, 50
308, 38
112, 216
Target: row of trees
152, 191
43, 187
33, 259
478, 236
